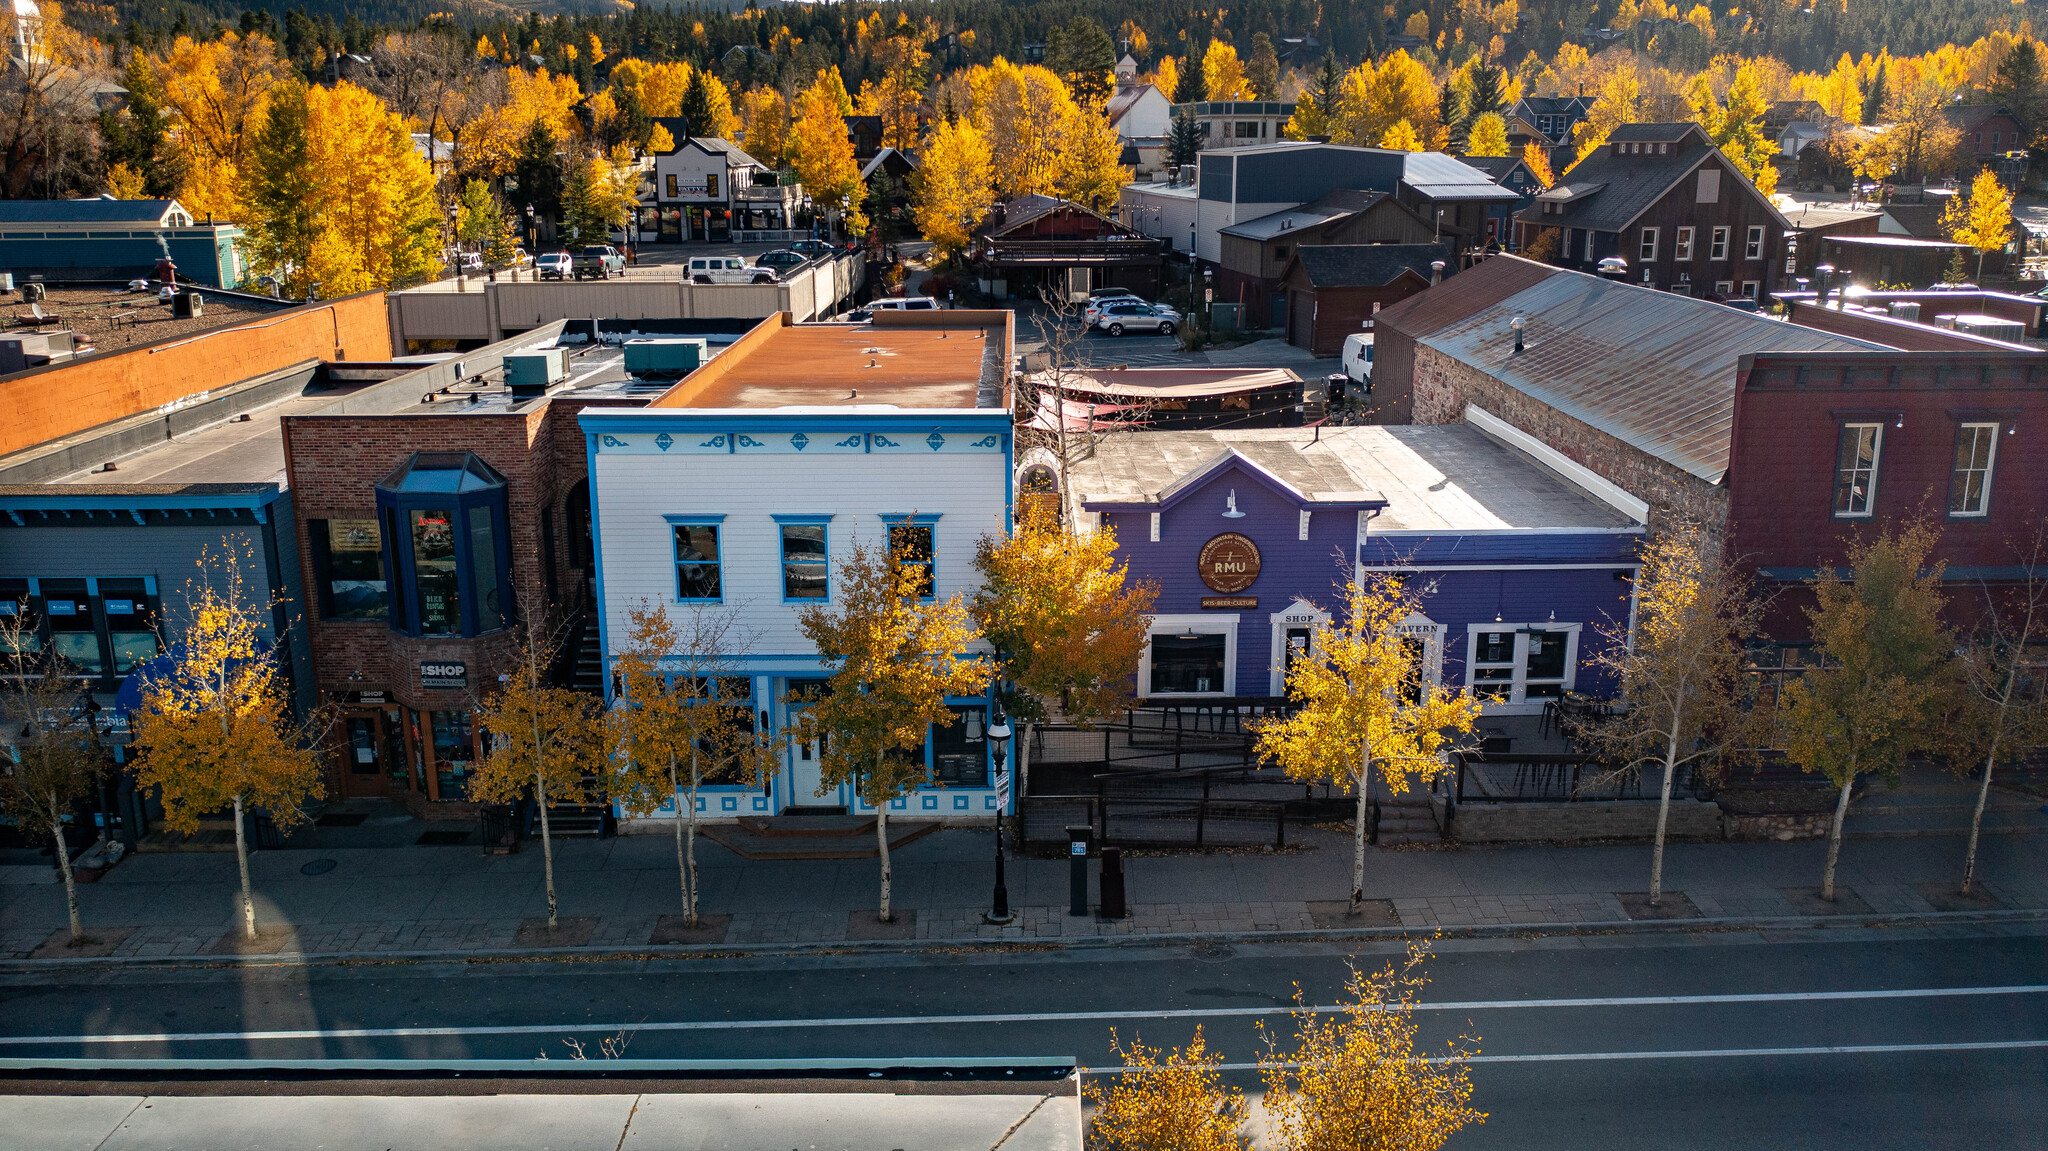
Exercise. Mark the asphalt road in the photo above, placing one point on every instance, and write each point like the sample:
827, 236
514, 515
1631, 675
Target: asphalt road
1851, 1038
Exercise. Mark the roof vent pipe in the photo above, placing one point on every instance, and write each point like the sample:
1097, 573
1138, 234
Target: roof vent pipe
1518, 323
1436, 272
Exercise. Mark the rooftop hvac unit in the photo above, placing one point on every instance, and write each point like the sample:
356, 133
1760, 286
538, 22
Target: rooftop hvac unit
188, 306
1904, 310
1992, 328
530, 374
664, 357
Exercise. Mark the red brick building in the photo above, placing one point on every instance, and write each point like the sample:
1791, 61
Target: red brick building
435, 511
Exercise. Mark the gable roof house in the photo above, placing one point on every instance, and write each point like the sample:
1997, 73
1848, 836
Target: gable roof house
706, 188
1039, 241
1143, 118
1662, 200
1335, 290
1256, 253
1989, 132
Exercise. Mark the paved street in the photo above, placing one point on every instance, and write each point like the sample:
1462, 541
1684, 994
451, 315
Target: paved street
1850, 1037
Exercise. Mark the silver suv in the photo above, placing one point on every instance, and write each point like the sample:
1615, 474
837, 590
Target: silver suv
1120, 316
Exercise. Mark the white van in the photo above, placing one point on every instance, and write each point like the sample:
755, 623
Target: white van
727, 270
1358, 358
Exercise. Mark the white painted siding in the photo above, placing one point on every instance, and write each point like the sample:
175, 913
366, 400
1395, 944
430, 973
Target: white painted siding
634, 492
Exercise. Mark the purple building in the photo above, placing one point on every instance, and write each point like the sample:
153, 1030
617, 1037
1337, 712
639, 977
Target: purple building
1523, 560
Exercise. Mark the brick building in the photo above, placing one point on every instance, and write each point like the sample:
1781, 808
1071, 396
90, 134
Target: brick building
1788, 441
435, 512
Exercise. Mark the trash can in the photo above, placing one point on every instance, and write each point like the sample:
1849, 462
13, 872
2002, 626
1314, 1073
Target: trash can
1113, 883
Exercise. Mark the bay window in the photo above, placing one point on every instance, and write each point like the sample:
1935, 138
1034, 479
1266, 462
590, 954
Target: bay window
446, 554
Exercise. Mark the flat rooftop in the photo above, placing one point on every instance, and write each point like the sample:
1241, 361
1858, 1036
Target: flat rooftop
231, 451
950, 359
115, 318
1434, 477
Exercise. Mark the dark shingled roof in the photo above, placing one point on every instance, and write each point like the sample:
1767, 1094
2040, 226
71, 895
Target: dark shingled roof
1366, 265
1609, 191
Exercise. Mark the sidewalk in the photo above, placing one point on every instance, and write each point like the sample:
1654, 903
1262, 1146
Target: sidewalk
615, 893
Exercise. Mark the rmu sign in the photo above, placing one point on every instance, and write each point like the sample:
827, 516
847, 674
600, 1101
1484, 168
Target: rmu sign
1229, 563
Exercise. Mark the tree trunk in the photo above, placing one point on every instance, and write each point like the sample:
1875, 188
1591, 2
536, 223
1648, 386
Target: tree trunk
882, 843
1977, 817
690, 851
1827, 875
547, 844
242, 862
71, 883
1023, 775
1663, 818
675, 787
1358, 839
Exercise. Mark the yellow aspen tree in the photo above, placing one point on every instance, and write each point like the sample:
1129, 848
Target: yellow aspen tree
764, 125
662, 88
1355, 1079
1620, 101
377, 211
1166, 1100
661, 141
1088, 172
1883, 680
895, 658
57, 756
1066, 619
1166, 77
1983, 221
830, 82
1681, 669
1223, 73
491, 144
1489, 136
1402, 138
1401, 90
819, 149
213, 730
1359, 707
1538, 162
124, 182
897, 93
719, 120
544, 737
214, 94
672, 729
951, 190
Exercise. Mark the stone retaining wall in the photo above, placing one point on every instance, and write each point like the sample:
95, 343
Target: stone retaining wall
1564, 822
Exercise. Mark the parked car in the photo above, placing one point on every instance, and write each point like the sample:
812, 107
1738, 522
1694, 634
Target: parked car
1101, 298
599, 260
781, 260
469, 261
1358, 358
554, 265
1138, 316
894, 304
809, 248
727, 270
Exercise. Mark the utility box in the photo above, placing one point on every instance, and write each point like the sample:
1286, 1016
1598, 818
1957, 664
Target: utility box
531, 373
664, 357
1991, 327
1905, 310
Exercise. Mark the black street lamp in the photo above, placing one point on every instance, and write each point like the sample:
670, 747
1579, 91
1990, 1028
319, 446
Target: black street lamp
999, 737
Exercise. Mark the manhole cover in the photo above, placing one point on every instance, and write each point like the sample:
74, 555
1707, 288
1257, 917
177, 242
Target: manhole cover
317, 867
1214, 952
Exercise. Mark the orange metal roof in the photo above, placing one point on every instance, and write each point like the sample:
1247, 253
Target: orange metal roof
941, 359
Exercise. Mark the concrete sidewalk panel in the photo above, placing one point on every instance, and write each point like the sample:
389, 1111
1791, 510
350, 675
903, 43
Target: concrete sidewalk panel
824, 1122
63, 1122
365, 1122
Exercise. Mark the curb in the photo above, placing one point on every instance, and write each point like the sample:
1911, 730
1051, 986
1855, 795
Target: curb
651, 952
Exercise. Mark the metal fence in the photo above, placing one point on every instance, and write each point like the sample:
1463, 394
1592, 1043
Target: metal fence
1538, 778
1163, 821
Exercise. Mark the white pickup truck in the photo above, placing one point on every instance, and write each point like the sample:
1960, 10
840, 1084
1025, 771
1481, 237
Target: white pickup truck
727, 270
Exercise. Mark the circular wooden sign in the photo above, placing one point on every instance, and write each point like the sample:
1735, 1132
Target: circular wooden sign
1229, 563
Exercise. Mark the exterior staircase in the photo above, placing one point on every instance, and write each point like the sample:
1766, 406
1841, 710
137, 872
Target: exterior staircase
587, 672
1407, 818
576, 821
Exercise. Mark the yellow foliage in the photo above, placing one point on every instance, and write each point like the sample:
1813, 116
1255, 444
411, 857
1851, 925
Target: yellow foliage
1417, 24
764, 125
819, 149
1223, 74
720, 123
377, 218
1489, 136
1089, 148
1401, 137
212, 731
661, 141
1166, 77
491, 144
1538, 161
124, 182
895, 659
1357, 1081
214, 93
1164, 1100
1984, 220
951, 190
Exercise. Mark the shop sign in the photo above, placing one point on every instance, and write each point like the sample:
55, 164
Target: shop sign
363, 697
447, 673
1229, 602
1229, 563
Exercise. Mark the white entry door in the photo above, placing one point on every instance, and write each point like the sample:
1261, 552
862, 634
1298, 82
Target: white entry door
804, 755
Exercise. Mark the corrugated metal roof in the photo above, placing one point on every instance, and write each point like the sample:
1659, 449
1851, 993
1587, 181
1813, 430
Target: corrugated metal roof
1653, 369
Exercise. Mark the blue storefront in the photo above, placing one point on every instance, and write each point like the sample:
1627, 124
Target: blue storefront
1521, 577
104, 239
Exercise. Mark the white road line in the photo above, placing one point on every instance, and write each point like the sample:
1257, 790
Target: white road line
1712, 1053
1021, 1017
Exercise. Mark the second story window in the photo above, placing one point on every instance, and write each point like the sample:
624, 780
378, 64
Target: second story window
805, 570
1682, 244
698, 577
1856, 468
348, 569
1969, 486
447, 557
1754, 248
1648, 250
1720, 250
913, 542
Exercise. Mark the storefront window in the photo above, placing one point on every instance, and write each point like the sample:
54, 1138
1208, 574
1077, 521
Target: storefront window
73, 633
449, 566
960, 749
348, 566
19, 628
1493, 665
454, 752
131, 626
435, 580
1187, 663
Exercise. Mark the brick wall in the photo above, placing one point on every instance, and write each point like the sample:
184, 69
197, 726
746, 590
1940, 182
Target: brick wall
1443, 386
49, 403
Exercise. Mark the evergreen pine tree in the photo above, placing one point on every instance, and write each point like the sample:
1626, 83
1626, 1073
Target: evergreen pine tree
1186, 142
281, 190
1874, 97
